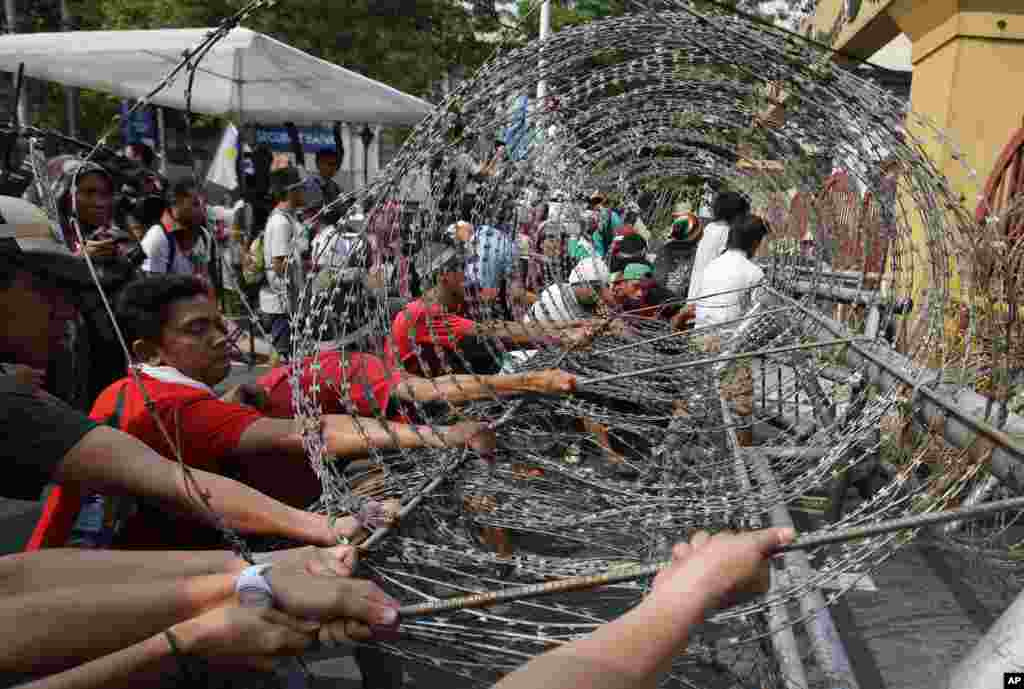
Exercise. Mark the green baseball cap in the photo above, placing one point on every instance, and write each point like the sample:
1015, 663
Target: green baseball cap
634, 271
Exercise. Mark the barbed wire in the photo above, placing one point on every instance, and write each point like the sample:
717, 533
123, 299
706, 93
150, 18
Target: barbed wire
639, 107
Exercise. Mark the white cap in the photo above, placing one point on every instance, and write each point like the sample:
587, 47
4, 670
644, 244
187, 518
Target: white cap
591, 269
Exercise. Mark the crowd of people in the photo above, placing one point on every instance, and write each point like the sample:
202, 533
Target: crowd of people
109, 405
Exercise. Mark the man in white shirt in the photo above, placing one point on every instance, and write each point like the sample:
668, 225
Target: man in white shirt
284, 242
729, 290
182, 249
730, 282
729, 207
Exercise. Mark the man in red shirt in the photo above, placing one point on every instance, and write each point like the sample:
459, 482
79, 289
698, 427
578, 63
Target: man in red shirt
178, 335
432, 337
363, 384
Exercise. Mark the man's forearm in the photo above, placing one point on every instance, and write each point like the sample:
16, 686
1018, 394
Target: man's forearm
349, 436
247, 510
524, 334
56, 629
42, 570
460, 388
148, 663
629, 653
116, 463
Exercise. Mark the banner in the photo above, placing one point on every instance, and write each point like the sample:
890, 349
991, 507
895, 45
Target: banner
139, 127
314, 139
222, 168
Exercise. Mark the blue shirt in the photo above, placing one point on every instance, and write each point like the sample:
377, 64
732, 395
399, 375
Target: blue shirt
493, 259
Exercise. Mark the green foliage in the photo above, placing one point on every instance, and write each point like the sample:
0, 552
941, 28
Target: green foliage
561, 18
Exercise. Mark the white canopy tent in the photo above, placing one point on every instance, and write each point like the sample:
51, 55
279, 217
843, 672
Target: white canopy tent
248, 75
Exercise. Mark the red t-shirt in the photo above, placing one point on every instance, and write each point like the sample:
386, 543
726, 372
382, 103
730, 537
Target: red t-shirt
430, 327
209, 430
361, 372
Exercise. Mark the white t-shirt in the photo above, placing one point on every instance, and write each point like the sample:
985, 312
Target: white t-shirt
730, 271
283, 237
556, 304
711, 246
157, 247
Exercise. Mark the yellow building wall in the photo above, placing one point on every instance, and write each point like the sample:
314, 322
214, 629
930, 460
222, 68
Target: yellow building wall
968, 87
968, 79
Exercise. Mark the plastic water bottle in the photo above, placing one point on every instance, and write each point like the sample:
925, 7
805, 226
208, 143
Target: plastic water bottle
89, 529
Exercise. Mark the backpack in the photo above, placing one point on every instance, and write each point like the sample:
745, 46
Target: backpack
254, 264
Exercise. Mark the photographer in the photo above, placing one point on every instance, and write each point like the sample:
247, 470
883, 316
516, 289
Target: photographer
84, 195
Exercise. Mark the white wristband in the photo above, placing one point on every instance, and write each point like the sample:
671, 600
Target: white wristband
253, 588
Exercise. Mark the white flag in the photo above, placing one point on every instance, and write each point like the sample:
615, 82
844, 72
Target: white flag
222, 168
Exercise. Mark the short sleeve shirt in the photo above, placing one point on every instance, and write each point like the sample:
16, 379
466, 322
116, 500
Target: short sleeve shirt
40, 430
556, 304
354, 382
209, 430
494, 258
281, 238
430, 327
157, 247
728, 289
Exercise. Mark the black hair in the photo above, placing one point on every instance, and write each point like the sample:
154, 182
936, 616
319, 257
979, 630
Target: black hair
150, 210
142, 305
730, 206
9, 261
146, 154
327, 152
745, 233
281, 179
184, 187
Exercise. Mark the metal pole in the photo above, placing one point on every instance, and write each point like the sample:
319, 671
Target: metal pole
161, 132
821, 630
963, 425
11, 10
487, 598
71, 93
545, 31
784, 642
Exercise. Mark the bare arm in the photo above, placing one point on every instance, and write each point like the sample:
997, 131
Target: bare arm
636, 649
54, 568
42, 570
215, 627
346, 436
144, 664
527, 334
278, 264
464, 388
625, 654
116, 463
52, 630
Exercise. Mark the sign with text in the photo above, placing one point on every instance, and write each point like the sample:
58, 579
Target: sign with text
314, 139
138, 127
